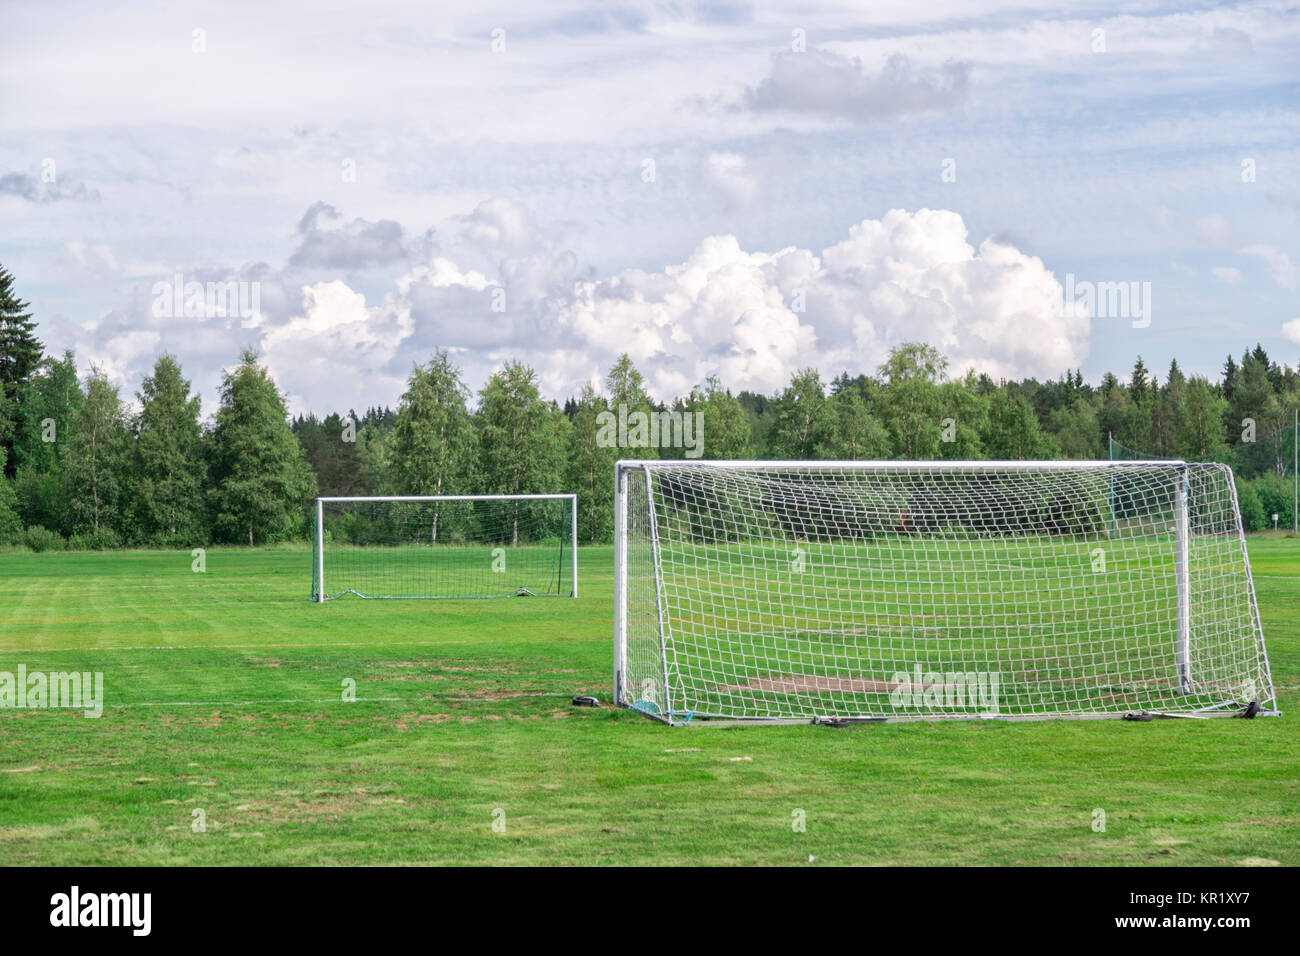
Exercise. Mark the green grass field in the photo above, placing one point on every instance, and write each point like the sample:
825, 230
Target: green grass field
224, 694
752, 638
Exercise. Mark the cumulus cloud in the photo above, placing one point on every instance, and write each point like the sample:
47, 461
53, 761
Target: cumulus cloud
353, 245
501, 224
753, 317
1291, 330
1229, 274
334, 331
826, 82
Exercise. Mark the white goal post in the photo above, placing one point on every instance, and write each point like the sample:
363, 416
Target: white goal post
445, 546
901, 590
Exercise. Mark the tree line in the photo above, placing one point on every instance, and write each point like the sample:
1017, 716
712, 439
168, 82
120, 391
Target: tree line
80, 470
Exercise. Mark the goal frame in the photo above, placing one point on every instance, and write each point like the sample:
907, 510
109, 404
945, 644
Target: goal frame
318, 533
624, 469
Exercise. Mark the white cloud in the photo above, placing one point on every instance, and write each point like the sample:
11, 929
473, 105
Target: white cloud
907, 276
1291, 330
751, 317
1216, 230
729, 174
824, 81
1280, 266
1229, 274
89, 260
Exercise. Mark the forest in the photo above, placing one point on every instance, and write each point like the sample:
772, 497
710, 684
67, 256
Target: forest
83, 467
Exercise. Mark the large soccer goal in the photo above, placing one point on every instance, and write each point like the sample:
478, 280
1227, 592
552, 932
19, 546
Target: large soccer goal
829, 591
430, 546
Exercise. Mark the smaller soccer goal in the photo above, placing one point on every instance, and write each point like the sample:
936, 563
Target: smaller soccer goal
445, 546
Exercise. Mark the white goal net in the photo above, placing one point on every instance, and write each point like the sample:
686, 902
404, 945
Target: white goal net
430, 546
774, 590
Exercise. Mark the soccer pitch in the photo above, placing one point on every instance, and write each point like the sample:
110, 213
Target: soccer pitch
226, 739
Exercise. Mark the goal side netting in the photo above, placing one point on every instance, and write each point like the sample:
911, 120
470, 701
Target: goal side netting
447, 546
913, 590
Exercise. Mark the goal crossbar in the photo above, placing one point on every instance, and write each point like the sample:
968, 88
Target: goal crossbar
919, 590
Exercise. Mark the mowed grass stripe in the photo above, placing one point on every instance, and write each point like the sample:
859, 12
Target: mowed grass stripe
483, 723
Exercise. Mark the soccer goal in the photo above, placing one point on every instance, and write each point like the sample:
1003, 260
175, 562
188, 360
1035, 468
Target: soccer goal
446, 546
884, 590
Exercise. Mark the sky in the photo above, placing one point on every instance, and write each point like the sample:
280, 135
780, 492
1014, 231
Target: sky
730, 189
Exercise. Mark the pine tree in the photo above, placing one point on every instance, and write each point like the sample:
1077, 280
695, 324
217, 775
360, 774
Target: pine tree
1229, 377
20, 356
20, 351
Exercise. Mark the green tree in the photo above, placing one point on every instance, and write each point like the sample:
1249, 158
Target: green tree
727, 428
803, 424
50, 402
1136, 423
1274, 493
627, 397
1252, 399
97, 464
912, 402
431, 446
1113, 410
518, 435
261, 483
10, 523
1202, 416
1166, 414
855, 433
168, 454
1075, 431
1252, 511
967, 409
589, 470
20, 355
1014, 432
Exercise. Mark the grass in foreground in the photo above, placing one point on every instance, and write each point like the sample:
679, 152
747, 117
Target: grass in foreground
224, 695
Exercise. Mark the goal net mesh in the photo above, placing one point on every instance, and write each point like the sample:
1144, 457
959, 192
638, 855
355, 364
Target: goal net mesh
838, 592
486, 547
